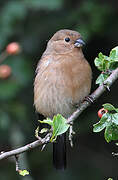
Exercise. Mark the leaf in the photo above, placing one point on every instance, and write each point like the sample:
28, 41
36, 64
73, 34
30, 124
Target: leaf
101, 124
101, 78
97, 61
101, 56
116, 51
60, 126
47, 121
23, 172
115, 118
43, 130
98, 127
108, 107
108, 134
111, 132
113, 54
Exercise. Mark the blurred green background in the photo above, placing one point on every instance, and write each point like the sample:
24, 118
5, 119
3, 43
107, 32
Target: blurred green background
32, 23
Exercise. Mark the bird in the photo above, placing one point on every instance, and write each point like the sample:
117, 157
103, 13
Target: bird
62, 81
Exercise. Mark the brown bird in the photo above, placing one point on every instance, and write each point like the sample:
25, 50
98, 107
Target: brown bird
63, 80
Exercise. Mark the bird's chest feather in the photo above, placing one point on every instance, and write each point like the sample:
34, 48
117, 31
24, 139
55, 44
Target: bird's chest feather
66, 84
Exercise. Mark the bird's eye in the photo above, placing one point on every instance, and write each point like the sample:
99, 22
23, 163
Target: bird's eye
67, 39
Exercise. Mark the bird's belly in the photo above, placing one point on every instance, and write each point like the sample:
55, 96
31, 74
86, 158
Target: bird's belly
53, 102
53, 97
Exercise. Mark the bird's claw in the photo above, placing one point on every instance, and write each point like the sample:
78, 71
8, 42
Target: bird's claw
89, 99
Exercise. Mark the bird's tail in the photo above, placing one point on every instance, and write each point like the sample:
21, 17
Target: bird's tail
59, 152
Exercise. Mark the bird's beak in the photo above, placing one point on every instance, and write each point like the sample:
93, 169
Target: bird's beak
79, 43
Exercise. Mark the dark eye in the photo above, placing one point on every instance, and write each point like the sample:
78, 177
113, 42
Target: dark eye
67, 39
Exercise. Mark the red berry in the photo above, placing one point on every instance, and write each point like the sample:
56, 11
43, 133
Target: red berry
101, 112
13, 48
5, 71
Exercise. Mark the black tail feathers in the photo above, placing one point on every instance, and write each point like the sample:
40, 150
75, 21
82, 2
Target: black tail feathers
59, 152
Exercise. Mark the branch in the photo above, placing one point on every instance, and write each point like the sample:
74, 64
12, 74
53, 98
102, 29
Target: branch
41, 141
25, 148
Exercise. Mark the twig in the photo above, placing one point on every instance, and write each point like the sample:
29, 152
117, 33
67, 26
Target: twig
26, 147
41, 141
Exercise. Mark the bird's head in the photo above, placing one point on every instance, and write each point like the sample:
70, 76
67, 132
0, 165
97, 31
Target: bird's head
65, 40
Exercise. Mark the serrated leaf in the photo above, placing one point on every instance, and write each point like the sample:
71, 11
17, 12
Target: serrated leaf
60, 126
47, 121
44, 130
23, 172
101, 78
109, 107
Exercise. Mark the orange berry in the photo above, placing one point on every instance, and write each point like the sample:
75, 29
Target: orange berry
5, 71
13, 48
101, 112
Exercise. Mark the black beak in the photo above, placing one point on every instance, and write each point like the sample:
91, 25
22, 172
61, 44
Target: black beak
79, 43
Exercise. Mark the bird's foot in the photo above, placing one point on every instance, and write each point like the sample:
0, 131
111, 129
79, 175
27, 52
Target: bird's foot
71, 133
89, 99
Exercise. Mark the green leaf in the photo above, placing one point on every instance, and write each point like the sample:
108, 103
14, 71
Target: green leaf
23, 172
47, 121
98, 63
101, 56
111, 132
116, 51
101, 124
115, 118
108, 134
113, 54
98, 127
108, 107
60, 126
101, 78
110, 179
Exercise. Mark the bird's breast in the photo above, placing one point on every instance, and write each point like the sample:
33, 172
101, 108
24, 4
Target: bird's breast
60, 85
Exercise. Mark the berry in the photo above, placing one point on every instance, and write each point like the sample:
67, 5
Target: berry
101, 112
5, 71
13, 48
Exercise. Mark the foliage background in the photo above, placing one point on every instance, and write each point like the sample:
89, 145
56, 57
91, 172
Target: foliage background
32, 23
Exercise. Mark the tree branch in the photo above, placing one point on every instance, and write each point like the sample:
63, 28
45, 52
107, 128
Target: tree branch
25, 148
41, 141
